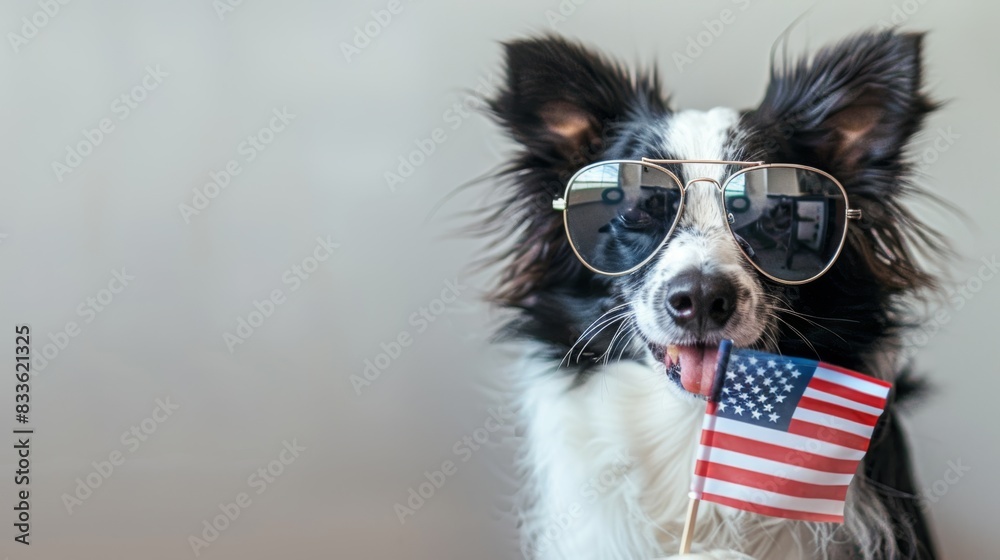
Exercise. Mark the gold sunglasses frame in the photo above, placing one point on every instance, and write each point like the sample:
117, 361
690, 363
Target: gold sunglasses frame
559, 204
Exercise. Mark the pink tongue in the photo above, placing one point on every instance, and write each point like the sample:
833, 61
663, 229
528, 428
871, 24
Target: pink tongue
698, 368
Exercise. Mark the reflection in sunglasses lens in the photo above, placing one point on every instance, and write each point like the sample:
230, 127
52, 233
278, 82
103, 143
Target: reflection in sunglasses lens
789, 221
617, 214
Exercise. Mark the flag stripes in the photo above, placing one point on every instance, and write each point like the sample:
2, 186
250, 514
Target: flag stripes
830, 421
800, 472
833, 409
847, 393
756, 496
844, 403
789, 444
786, 486
828, 434
772, 511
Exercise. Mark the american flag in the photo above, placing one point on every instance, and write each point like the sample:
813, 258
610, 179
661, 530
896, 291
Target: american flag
784, 435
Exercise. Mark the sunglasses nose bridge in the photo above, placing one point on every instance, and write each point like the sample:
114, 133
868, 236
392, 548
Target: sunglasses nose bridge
718, 188
717, 184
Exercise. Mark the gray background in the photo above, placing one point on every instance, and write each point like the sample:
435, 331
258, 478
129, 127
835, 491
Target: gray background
324, 175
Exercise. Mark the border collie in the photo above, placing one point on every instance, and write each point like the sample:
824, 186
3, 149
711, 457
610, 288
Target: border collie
612, 362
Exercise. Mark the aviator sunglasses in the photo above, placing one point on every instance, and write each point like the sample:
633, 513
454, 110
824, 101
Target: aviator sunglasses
790, 221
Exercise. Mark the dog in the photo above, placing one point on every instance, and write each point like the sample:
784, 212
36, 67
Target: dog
608, 389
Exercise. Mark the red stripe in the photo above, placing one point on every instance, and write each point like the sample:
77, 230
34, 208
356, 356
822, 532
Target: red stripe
772, 511
852, 373
776, 484
838, 411
828, 434
846, 392
778, 453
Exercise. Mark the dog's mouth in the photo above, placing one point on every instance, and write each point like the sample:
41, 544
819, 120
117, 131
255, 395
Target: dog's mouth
690, 366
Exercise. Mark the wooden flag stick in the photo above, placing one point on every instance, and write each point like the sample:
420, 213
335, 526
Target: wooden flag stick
688, 535
722, 361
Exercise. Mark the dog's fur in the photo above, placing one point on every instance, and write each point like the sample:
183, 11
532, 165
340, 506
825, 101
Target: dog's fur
609, 439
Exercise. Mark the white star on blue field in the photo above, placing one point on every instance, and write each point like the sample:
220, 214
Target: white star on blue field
763, 389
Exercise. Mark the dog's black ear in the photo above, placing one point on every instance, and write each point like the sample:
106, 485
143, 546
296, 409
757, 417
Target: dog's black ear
563, 104
852, 107
851, 110
561, 100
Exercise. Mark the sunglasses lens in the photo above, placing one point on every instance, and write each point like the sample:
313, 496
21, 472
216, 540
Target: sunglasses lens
790, 222
617, 214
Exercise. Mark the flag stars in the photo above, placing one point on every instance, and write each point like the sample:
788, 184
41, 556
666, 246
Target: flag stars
761, 389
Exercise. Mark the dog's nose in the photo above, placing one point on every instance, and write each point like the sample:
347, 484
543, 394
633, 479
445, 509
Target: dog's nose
701, 301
